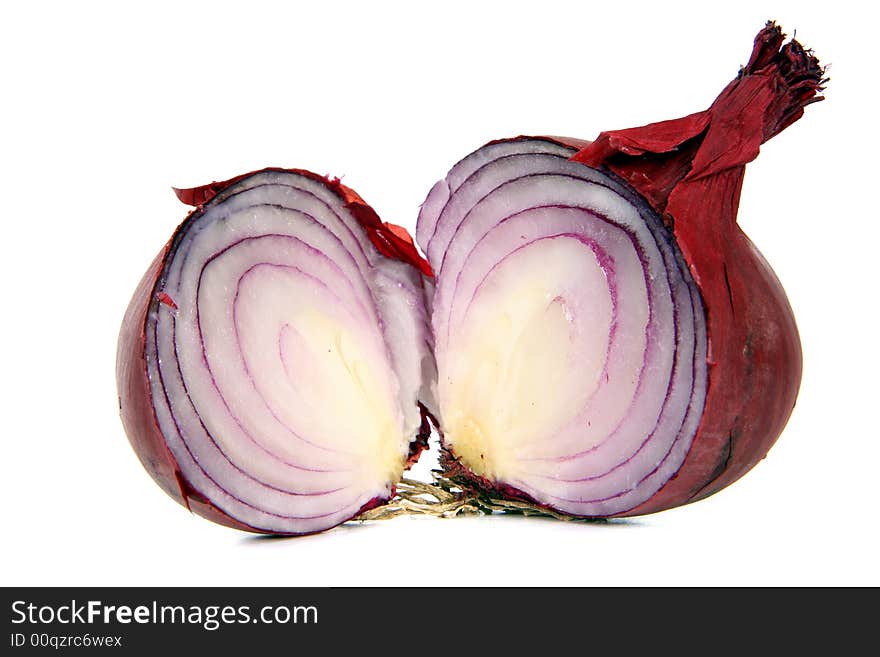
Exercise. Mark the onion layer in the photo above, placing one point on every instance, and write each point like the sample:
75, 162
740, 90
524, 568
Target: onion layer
270, 363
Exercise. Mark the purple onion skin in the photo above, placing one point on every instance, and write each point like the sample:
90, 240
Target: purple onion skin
133, 384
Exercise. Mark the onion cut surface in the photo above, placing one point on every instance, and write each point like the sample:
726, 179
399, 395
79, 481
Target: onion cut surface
570, 336
271, 362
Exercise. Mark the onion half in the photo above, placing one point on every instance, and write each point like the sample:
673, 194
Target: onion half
608, 341
271, 361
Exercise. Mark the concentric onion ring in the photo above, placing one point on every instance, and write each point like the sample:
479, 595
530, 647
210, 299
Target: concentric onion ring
283, 356
570, 337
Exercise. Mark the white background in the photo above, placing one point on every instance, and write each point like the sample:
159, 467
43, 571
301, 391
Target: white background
104, 107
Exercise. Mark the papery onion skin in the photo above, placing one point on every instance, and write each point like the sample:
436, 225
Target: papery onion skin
133, 384
690, 171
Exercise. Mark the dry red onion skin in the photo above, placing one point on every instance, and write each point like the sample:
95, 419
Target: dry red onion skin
137, 395
755, 354
690, 172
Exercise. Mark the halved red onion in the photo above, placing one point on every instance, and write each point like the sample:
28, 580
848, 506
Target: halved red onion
271, 362
570, 336
608, 341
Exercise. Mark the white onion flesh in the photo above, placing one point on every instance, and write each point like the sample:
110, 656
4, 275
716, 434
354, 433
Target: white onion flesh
286, 380
569, 336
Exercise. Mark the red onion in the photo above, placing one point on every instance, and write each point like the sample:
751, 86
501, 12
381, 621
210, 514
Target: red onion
594, 335
272, 358
608, 341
